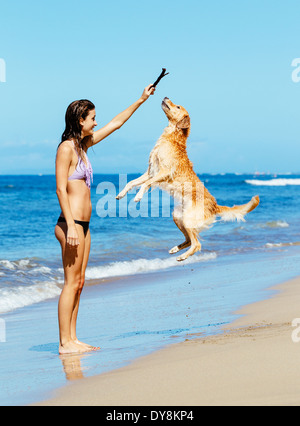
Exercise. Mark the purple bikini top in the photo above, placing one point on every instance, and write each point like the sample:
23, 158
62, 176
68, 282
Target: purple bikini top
82, 170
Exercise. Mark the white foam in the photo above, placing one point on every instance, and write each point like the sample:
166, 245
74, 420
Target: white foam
273, 182
140, 266
277, 224
41, 270
7, 264
20, 296
25, 266
21, 264
270, 245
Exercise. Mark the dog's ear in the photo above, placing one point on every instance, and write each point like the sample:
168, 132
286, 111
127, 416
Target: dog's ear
184, 123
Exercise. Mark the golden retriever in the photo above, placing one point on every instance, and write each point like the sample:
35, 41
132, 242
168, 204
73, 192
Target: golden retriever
171, 170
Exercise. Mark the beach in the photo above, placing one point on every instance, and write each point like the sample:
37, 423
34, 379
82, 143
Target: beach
253, 362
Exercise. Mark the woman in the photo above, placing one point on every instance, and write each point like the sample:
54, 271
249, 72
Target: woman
73, 181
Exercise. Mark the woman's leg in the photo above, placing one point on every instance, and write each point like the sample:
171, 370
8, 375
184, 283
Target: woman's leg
75, 312
83, 268
72, 262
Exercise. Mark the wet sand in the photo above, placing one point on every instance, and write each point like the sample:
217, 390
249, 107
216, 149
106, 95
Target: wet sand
254, 361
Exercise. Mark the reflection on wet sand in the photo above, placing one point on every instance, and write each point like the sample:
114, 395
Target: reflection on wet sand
72, 365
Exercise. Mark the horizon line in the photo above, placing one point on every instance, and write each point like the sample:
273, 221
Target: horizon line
136, 173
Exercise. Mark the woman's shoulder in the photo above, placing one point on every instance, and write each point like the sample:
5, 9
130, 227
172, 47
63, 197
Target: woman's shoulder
66, 146
65, 149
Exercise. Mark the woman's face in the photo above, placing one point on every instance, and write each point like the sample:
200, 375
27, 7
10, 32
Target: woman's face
88, 124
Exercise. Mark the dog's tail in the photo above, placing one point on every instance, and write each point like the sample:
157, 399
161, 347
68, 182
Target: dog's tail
237, 212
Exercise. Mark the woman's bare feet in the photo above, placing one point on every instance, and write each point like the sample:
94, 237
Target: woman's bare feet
86, 345
72, 348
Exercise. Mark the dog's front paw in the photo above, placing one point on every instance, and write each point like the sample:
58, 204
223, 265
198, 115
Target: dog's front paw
137, 198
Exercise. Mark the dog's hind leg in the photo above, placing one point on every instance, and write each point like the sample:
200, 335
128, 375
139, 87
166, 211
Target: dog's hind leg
195, 245
187, 242
130, 185
181, 246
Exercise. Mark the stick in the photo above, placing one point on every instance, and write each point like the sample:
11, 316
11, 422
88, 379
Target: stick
163, 74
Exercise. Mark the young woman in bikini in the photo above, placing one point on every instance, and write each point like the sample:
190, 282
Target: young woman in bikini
73, 182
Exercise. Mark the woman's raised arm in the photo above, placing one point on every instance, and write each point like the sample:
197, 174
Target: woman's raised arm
121, 118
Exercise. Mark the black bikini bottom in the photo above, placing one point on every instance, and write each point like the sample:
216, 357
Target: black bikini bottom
85, 225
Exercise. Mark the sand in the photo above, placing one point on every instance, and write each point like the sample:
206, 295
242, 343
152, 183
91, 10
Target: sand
253, 362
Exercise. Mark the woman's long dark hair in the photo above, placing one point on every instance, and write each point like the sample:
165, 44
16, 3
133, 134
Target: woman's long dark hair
75, 111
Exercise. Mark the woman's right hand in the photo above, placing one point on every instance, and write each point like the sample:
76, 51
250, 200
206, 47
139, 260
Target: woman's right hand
148, 91
72, 236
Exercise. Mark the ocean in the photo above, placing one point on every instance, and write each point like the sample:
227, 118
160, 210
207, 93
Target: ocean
138, 298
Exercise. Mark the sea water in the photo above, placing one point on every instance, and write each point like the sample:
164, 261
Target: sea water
139, 296
30, 262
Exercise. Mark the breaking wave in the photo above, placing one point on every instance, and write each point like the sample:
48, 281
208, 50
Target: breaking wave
21, 296
26, 282
273, 182
141, 266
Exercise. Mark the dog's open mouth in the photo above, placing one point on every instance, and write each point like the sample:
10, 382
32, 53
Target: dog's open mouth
164, 104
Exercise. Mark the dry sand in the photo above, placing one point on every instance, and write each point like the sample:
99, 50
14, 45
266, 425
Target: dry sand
254, 362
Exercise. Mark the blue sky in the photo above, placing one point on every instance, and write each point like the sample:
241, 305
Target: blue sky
229, 63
